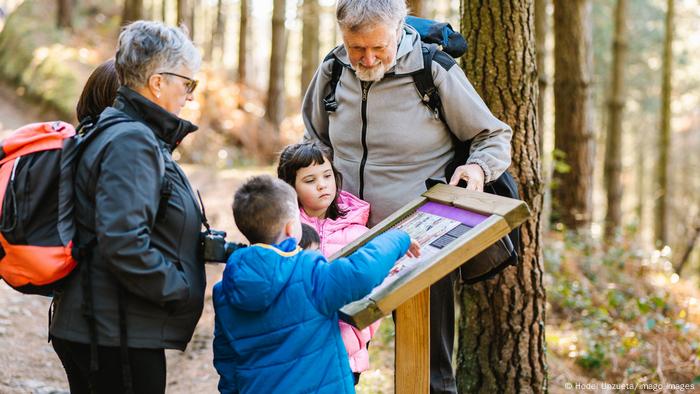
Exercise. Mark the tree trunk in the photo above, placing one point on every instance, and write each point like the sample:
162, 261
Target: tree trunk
242, 42
573, 126
541, 32
133, 11
541, 44
689, 246
164, 10
415, 7
183, 15
616, 104
275, 91
501, 327
65, 14
310, 42
193, 6
660, 208
217, 36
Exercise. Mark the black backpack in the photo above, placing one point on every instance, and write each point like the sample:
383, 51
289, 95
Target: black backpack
442, 44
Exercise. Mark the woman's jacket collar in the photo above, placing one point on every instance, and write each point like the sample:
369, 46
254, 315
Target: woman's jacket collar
166, 126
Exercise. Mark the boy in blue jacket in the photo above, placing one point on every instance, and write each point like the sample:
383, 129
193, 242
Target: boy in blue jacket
277, 305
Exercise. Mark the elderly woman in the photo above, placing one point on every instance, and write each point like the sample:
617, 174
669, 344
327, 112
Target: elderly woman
140, 285
386, 142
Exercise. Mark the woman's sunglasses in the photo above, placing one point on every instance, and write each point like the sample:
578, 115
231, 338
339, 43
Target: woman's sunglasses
191, 84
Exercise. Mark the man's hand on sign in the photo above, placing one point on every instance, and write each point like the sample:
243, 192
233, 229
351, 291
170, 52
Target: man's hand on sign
413, 249
472, 174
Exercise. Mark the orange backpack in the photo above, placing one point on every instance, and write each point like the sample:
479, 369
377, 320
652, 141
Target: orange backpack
36, 200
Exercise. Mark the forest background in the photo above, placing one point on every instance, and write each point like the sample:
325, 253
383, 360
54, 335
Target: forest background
604, 100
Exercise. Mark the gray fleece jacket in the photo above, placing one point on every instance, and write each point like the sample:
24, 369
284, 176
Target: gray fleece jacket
386, 142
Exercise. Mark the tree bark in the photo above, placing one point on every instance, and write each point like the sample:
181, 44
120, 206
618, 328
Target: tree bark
660, 208
573, 126
541, 33
415, 7
133, 11
310, 42
242, 42
501, 327
275, 91
65, 14
616, 104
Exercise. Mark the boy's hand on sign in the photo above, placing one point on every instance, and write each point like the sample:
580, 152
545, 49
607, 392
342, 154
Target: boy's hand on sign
413, 249
473, 174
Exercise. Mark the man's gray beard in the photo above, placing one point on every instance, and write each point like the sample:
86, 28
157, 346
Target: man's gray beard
370, 74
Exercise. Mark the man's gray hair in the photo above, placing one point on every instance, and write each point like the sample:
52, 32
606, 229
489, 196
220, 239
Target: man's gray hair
148, 47
355, 15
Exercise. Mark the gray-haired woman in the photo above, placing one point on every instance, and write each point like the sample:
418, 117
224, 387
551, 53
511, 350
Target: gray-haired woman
140, 285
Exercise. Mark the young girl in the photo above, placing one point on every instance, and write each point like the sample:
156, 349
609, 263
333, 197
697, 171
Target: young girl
337, 216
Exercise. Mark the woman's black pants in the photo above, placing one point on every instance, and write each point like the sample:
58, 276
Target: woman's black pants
147, 368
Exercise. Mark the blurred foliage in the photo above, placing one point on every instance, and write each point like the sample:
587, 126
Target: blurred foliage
49, 65
620, 314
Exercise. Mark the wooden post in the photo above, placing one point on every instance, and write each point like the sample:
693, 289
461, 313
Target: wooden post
413, 345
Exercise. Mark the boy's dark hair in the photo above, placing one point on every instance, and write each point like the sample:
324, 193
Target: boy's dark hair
261, 206
297, 156
309, 236
99, 92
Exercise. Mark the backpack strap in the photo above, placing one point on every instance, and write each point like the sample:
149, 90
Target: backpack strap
336, 71
423, 79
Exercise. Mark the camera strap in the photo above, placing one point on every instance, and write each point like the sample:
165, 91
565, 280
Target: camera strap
205, 222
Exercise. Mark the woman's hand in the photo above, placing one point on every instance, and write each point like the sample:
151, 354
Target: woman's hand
472, 173
413, 249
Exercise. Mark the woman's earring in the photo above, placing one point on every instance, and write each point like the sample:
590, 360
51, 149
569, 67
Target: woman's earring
157, 94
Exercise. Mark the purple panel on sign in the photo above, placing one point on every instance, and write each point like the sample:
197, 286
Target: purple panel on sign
469, 218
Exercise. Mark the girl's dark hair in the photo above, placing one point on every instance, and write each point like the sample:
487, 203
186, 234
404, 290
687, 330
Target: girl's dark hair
297, 156
99, 92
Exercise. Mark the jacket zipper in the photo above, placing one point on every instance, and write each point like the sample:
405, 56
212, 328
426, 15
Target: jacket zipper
365, 90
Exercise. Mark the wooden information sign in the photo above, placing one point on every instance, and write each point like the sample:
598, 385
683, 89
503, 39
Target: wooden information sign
452, 225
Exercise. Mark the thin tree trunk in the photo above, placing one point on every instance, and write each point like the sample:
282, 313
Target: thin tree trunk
613, 149
275, 92
641, 176
309, 43
541, 33
690, 245
415, 7
501, 327
65, 14
217, 37
573, 127
660, 208
164, 10
242, 42
183, 15
133, 11
193, 6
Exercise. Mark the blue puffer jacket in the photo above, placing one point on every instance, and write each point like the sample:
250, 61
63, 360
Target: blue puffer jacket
277, 315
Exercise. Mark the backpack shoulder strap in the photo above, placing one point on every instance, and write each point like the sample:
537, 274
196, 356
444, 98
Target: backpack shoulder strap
336, 70
423, 79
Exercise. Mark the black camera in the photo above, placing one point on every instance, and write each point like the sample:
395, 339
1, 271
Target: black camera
215, 247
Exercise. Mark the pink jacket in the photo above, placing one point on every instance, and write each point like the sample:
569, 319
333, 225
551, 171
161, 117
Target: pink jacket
335, 234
